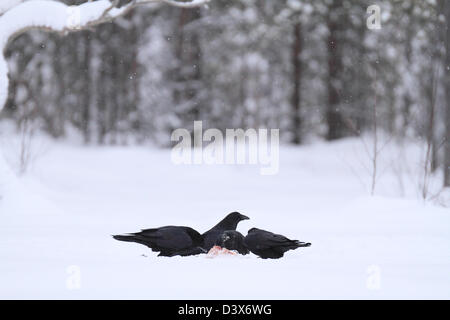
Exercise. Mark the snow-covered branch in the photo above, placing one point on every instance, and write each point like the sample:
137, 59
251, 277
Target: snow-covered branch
5, 5
18, 16
189, 4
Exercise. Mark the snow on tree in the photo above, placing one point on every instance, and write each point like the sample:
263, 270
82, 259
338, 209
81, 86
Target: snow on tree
18, 16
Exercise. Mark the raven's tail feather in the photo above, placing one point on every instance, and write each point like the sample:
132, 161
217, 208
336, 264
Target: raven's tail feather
128, 238
302, 244
133, 238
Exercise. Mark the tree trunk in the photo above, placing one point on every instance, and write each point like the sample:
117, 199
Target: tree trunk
189, 71
188, 53
333, 115
297, 77
86, 94
407, 99
447, 90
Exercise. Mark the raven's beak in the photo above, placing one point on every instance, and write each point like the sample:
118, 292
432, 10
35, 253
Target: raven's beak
244, 217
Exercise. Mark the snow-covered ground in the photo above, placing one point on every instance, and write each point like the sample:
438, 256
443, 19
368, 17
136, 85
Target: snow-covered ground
56, 222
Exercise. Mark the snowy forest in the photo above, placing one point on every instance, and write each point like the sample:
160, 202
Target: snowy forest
363, 110
310, 68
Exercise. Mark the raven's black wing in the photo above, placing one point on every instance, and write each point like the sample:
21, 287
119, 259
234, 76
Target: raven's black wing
270, 245
168, 240
170, 237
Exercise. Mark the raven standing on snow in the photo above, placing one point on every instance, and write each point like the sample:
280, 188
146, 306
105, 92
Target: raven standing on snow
168, 241
230, 222
269, 245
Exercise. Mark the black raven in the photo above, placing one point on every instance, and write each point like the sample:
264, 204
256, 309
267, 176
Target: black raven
232, 240
230, 222
169, 241
269, 245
